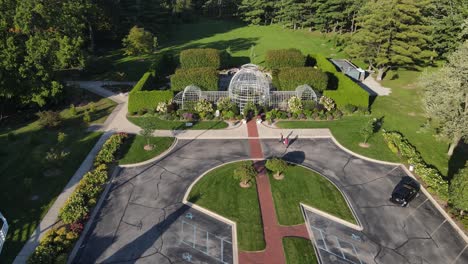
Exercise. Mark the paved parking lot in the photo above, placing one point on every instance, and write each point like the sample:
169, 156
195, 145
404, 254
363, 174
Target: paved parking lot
143, 219
391, 234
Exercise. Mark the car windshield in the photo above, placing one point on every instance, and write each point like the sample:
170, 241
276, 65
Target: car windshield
408, 186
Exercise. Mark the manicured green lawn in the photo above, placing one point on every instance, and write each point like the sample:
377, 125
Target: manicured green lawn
219, 192
157, 123
233, 36
28, 183
346, 131
133, 151
298, 251
304, 185
403, 112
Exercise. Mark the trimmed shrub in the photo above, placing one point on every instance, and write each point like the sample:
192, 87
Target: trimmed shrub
200, 58
144, 82
290, 78
431, 177
108, 150
54, 247
147, 100
282, 58
205, 78
347, 92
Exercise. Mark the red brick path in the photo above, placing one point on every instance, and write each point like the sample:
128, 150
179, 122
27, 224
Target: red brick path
273, 232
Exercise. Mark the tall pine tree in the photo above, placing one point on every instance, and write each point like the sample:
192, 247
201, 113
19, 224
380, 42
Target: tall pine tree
392, 33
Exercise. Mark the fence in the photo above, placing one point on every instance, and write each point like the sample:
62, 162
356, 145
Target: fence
3, 231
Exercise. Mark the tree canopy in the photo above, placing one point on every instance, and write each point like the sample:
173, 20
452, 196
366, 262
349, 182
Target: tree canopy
446, 96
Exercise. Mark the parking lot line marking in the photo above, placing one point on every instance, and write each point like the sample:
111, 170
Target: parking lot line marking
437, 228
459, 255
339, 247
355, 253
415, 209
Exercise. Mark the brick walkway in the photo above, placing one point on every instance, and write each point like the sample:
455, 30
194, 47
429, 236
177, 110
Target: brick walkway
273, 232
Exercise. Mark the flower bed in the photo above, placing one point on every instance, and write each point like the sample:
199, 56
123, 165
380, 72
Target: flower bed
58, 242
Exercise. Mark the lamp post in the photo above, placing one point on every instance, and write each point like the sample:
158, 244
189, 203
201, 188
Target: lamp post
3, 231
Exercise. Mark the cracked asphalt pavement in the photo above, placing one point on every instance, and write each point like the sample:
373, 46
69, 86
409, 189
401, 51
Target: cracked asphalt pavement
143, 219
391, 234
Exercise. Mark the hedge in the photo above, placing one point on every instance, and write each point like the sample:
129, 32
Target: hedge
205, 78
200, 58
57, 243
139, 99
290, 78
145, 82
347, 91
432, 177
283, 58
146, 100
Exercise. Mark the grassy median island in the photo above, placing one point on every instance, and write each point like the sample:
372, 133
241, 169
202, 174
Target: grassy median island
160, 124
219, 192
133, 149
298, 250
302, 185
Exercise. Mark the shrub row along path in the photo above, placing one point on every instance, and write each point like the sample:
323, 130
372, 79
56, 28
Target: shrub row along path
273, 232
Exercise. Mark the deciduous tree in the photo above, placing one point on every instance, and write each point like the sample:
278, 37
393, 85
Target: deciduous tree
446, 96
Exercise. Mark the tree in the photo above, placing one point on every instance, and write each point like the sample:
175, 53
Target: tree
138, 41
446, 17
147, 132
392, 33
458, 195
277, 165
245, 173
368, 130
446, 96
257, 11
37, 39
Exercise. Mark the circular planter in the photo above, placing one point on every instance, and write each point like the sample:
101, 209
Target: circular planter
245, 185
278, 177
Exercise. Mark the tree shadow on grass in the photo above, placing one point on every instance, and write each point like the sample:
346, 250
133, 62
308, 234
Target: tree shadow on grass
458, 160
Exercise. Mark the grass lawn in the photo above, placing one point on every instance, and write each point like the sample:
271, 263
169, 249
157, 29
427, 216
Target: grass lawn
28, 183
231, 35
219, 192
298, 251
403, 112
157, 123
346, 131
133, 152
304, 185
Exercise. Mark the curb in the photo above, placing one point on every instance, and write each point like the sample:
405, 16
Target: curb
439, 208
235, 251
161, 155
331, 217
90, 221
51, 217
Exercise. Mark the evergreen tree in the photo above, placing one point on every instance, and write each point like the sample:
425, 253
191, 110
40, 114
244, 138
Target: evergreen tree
447, 18
290, 13
257, 11
392, 33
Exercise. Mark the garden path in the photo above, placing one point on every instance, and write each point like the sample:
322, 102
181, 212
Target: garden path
273, 232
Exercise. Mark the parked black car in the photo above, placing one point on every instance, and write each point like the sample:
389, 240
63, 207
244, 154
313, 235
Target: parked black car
405, 191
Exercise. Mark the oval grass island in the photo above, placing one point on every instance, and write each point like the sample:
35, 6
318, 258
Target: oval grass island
220, 193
